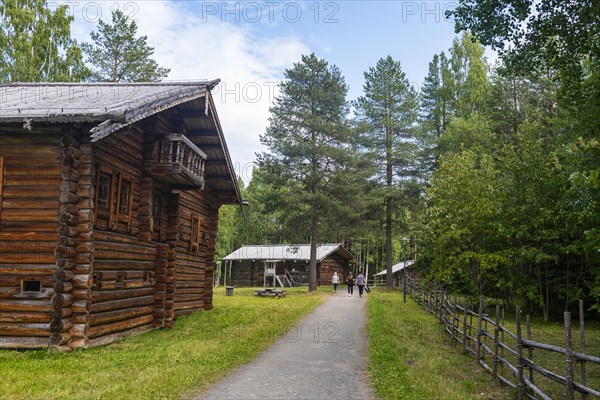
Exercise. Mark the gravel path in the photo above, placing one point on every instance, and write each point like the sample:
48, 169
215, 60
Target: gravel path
324, 357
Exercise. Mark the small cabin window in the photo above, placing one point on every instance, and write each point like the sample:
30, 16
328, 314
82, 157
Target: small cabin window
103, 190
124, 194
31, 286
146, 277
95, 280
195, 234
157, 211
120, 281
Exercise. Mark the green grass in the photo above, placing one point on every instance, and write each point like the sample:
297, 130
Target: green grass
553, 333
162, 364
412, 357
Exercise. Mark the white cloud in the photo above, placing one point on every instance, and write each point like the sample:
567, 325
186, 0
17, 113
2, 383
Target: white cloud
248, 62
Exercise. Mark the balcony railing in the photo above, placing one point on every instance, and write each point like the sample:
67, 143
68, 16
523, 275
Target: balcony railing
178, 161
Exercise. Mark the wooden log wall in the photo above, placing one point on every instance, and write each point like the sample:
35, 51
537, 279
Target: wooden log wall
171, 259
66, 249
243, 273
124, 265
30, 177
333, 263
194, 264
81, 280
209, 263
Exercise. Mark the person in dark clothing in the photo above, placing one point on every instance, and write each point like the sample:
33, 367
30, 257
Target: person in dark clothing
350, 283
360, 282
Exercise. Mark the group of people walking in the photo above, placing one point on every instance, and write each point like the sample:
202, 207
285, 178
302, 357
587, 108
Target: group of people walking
360, 282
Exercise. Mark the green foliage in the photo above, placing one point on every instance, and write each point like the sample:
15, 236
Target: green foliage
536, 125
386, 116
118, 56
511, 209
36, 44
529, 34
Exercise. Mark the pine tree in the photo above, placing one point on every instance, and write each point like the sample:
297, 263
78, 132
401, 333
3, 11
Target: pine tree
118, 56
388, 110
308, 140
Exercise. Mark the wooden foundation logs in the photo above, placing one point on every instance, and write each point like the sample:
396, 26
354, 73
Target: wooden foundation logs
79, 158
65, 252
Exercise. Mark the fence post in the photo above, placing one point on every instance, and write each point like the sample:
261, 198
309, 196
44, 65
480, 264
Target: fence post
496, 342
455, 321
529, 349
443, 307
479, 323
584, 396
520, 380
570, 394
502, 338
434, 308
464, 343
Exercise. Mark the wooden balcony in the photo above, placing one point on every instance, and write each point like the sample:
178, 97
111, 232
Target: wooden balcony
178, 161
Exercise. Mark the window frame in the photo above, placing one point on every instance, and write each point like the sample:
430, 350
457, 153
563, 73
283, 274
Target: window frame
117, 209
23, 284
196, 233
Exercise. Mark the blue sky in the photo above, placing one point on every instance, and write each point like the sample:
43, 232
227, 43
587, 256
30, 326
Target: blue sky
249, 44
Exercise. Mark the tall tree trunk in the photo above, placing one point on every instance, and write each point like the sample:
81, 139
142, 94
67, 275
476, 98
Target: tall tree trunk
314, 232
389, 277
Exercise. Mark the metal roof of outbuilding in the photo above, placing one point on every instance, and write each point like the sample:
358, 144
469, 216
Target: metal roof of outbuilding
300, 252
397, 267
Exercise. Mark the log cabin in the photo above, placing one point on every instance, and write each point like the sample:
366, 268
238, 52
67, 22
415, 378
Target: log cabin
286, 265
109, 198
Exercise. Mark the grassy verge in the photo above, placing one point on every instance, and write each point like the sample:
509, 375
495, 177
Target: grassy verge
412, 358
553, 333
163, 364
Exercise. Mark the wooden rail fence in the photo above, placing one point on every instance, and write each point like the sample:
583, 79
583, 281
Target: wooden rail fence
506, 355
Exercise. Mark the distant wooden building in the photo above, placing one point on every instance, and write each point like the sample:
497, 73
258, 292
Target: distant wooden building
109, 198
398, 273
248, 265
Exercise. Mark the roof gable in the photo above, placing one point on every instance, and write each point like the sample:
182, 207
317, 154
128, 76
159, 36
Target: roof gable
110, 107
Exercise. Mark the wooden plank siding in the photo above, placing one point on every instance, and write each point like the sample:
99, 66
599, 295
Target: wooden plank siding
30, 169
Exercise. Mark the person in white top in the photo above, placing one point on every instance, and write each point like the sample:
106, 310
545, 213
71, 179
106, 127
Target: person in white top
335, 280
